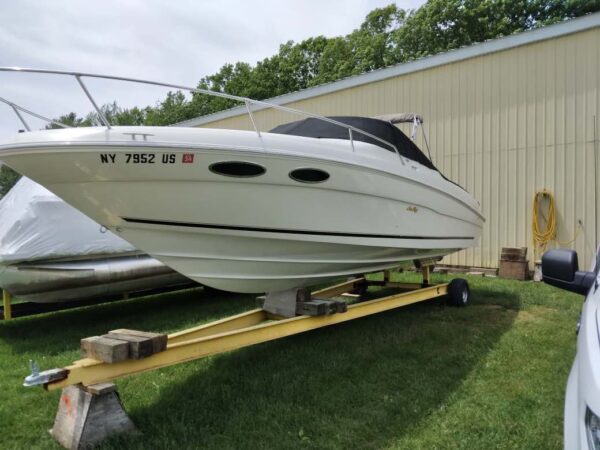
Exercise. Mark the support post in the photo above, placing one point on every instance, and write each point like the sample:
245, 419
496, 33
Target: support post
386, 276
87, 416
426, 271
7, 304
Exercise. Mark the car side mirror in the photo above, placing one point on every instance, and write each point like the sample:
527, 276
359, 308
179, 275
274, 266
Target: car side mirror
560, 268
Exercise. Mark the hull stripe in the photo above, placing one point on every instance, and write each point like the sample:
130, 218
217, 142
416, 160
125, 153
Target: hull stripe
287, 231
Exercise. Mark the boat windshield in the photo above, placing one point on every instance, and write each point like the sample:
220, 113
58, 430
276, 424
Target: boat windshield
316, 128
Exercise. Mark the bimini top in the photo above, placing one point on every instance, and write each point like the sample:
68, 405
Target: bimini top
384, 130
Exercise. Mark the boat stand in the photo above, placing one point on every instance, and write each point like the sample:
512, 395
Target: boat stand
88, 416
220, 336
6, 305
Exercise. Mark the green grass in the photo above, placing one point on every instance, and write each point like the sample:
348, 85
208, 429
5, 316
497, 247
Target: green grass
491, 375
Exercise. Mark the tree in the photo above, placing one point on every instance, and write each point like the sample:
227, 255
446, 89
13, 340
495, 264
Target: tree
171, 110
372, 44
115, 115
8, 178
442, 25
71, 119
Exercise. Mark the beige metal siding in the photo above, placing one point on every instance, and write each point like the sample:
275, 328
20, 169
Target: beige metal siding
502, 125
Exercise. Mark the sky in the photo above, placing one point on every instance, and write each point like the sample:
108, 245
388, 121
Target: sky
175, 41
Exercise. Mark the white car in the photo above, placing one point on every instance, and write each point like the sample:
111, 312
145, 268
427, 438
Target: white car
582, 402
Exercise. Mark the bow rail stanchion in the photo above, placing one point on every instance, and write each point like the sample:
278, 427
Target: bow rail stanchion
248, 102
16, 108
87, 382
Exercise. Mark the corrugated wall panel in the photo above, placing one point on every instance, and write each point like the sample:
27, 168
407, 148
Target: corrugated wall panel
502, 125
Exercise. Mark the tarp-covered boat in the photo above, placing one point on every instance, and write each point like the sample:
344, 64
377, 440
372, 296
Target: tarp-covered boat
50, 252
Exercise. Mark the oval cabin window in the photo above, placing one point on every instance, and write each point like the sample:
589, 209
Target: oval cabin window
239, 169
309, 175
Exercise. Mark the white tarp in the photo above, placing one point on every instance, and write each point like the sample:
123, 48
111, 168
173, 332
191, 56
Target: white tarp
36, 224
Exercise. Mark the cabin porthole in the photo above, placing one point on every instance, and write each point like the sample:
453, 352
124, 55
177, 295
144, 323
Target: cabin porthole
239, 169
307, 175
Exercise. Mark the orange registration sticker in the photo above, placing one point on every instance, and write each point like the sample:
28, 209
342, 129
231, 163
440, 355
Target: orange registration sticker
187, 158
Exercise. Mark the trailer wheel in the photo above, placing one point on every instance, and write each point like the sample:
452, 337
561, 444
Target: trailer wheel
458, 292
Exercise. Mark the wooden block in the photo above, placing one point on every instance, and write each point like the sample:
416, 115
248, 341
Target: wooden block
515, 250
159, 341
514, 254
139, 347
516, 270
321, 307
104, 349
486, 271
101, 388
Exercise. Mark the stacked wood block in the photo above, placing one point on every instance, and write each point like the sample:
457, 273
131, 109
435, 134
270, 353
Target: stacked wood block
514, 263
122, 344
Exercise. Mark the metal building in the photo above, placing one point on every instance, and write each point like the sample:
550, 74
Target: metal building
504, 118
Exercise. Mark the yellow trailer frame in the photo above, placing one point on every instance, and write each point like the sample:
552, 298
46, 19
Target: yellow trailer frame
6, 305
239, 331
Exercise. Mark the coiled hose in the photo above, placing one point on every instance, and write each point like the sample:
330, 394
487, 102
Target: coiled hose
544, 223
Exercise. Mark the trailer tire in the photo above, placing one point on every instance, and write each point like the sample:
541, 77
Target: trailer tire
458, 292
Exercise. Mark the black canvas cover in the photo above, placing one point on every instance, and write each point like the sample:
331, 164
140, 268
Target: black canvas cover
384, 130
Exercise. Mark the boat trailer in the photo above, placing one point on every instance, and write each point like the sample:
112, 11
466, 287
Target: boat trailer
89, 407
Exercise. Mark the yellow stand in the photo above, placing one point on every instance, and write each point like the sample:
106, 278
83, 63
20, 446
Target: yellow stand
7, 304
426, 271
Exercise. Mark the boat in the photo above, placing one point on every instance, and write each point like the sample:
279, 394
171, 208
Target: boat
52, 253
252, 211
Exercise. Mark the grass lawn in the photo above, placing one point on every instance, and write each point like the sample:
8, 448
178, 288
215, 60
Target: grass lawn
491, 375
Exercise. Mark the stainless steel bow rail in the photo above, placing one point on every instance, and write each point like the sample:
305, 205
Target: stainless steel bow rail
248, 102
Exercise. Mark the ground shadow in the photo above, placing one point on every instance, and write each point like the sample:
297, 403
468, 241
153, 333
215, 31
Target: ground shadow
61, 331
361, 384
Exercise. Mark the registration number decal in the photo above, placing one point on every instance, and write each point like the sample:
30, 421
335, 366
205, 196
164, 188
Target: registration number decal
139, 158
145, 158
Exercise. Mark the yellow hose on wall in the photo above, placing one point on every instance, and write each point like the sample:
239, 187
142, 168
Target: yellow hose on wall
544, 223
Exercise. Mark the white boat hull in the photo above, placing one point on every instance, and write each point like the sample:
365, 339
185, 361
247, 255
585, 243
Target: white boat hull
266, 233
